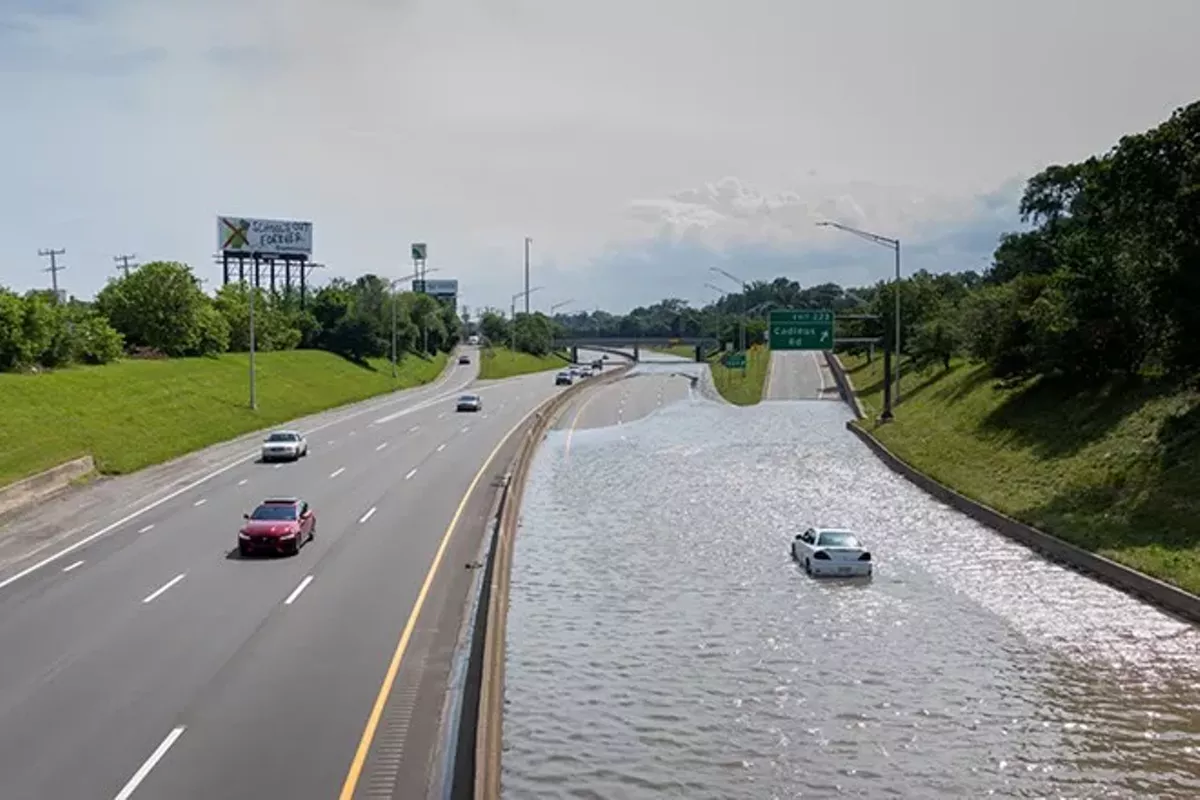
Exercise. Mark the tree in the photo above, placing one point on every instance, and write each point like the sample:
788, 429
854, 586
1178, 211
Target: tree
494, 328
532, 334
159, 306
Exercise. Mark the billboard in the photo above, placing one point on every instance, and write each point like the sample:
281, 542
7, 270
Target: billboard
442, 288
245, 236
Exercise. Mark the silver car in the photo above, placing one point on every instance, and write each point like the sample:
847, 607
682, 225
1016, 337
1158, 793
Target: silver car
284, 446
470, 402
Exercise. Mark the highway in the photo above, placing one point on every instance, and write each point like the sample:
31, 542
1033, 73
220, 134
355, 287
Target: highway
625, 400
152, 662
661, 641
799, 375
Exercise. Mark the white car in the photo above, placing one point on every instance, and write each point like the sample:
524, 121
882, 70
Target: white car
829, 551
288, 445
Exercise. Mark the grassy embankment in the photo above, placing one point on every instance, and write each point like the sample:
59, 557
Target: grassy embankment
1113, 470
500, 362
739, 390
132, 414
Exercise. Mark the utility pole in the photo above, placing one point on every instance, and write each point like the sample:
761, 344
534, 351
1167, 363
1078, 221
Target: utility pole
54, 267
124, 262
528, 241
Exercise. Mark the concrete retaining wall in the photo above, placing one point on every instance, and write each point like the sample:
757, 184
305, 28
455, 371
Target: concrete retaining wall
844, 384
1130, 581
25, 493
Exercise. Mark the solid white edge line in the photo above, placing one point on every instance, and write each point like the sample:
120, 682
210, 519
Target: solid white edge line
149, 764
366, 516
411, 472
85, 541
296, 592
70, 567
159, 591
200, 502
337, 472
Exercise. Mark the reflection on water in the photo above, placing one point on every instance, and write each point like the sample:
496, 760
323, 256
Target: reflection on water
662, 644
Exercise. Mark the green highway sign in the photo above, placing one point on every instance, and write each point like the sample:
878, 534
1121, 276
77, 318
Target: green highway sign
800, 329
735, 361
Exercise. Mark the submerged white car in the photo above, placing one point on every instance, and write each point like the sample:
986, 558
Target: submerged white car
288, 445
829, 551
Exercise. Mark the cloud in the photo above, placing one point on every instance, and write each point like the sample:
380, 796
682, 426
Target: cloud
760, 236
469, 124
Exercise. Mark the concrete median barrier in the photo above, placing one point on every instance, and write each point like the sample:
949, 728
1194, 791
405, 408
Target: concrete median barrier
473, 738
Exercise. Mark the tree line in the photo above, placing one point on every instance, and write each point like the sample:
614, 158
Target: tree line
1103, 282
160, 310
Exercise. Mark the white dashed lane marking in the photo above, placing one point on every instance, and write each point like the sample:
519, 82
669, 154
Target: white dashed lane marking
159, 591
366, 516
337, 472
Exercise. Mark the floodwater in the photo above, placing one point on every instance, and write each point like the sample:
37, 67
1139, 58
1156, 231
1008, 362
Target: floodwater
661, 643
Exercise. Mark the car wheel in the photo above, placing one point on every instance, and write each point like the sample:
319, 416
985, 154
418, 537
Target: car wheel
807, 566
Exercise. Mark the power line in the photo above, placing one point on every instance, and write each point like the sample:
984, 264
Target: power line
54, 267
124, 262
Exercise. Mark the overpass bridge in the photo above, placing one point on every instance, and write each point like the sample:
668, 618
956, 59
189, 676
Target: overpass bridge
619, 345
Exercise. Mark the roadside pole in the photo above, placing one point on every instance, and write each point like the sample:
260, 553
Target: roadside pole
253, 291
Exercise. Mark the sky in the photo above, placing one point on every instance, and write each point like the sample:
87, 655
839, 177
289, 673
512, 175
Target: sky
638, 142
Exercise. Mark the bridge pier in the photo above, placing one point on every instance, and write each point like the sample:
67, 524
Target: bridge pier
637, 355
575, 355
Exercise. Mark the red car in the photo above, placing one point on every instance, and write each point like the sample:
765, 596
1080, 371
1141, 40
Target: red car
282, 525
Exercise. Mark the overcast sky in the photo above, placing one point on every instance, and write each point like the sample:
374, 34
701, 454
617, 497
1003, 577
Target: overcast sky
637, 142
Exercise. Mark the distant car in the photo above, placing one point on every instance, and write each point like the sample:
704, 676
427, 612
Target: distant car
564, 378
829, 551
281, 525
464, 359
470, 402
597, 365
585, 372
473, 340
284, 445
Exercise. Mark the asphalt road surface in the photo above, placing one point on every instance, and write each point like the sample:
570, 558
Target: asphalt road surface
799, 375
152, 662
623, 401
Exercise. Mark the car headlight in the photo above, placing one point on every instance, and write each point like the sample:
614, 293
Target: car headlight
243, 535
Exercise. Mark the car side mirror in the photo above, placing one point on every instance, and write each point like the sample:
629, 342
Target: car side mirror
245, 516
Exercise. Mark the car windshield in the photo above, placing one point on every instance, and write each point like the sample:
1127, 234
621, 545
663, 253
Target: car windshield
274, 512
837, 539
282, 437
467, 398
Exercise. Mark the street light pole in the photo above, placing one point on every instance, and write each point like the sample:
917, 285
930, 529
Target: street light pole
894, 244
528, 241
253, 291
745, 309
525, 294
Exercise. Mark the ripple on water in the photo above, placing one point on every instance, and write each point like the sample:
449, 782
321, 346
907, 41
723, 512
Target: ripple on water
662, 644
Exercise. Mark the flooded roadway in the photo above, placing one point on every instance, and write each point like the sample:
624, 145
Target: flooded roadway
662, 644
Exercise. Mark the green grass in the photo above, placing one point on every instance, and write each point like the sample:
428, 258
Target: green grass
500, 362
736, 388
1115, 470
132, 414
687, 351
